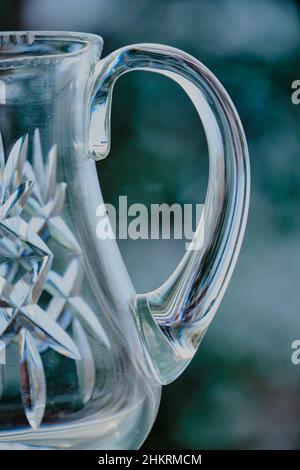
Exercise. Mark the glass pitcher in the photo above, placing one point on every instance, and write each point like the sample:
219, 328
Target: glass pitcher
83, 356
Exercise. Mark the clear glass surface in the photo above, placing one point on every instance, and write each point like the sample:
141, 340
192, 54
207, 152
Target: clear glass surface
85, 356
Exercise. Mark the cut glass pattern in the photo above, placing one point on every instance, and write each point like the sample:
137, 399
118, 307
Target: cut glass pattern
26, 271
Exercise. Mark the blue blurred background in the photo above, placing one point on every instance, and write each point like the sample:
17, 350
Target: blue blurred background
241, 391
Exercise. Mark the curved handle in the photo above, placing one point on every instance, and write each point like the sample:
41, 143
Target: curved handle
174, 318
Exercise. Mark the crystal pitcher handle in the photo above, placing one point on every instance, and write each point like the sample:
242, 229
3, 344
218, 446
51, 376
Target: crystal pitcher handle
173, 319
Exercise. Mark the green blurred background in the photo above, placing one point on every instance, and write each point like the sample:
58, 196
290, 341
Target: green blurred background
241, 390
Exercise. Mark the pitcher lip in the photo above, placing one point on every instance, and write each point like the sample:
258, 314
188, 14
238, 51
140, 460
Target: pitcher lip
27, 37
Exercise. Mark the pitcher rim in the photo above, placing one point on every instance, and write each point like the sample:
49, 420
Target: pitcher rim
27, 37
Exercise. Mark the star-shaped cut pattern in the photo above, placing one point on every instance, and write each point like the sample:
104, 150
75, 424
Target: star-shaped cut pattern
25, 259
14, 192
65, 292
33, 319
48, 198
26, 272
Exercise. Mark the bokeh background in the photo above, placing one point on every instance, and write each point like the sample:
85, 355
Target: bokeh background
241, 391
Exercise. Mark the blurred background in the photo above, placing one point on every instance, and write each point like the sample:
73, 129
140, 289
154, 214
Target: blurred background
242, 390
